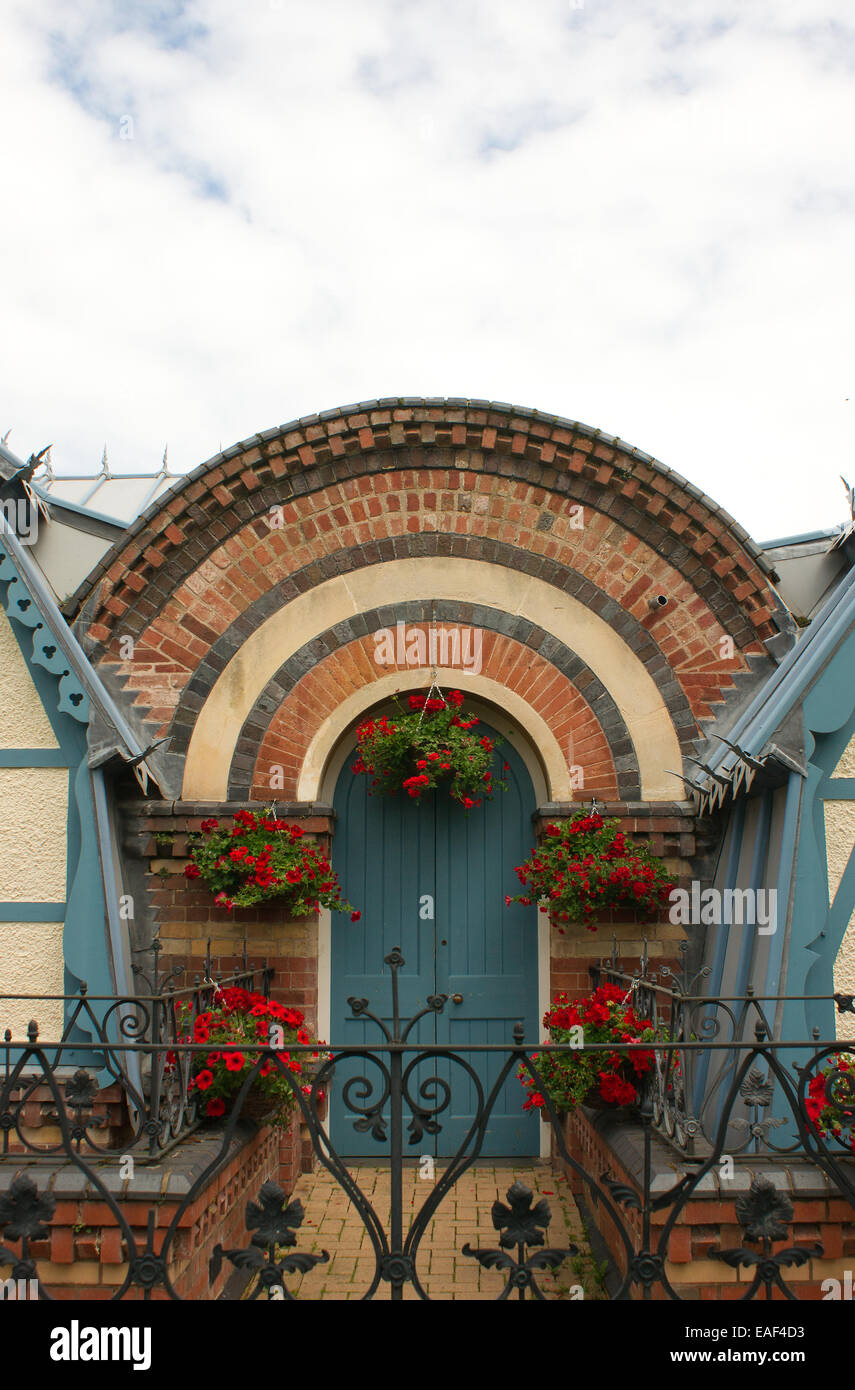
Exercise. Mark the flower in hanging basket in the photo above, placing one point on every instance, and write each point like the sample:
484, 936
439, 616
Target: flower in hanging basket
429, 745
240, 1020
830, 1101
261, 859
585, 866
600, 1078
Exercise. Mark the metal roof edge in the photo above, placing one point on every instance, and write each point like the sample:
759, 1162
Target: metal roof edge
786, 685
61, 502
77, 658
801, 539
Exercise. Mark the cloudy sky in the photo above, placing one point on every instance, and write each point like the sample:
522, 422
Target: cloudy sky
636, 213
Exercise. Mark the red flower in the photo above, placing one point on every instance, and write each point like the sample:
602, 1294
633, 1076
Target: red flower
191, 871
355, 916
204, 1080
234, 1061
215, 1107
615, 1090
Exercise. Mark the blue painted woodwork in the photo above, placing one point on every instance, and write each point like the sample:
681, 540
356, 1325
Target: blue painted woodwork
394, 856
67, 706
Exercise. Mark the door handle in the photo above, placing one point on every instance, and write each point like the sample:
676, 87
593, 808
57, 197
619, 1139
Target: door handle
457, 998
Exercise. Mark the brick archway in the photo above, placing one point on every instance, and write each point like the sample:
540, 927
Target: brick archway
360, 487
307, 689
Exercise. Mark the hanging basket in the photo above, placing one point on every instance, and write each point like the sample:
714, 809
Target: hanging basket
428, 746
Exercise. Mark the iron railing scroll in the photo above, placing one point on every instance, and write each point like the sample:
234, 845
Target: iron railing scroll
401, 1092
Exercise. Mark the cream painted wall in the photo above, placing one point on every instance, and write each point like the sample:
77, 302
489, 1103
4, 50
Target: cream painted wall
31, 962
33, 830
23, 722
33, 818
839, 841
599, 646
846, 766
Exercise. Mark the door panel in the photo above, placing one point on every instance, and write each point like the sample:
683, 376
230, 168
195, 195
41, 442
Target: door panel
391, 853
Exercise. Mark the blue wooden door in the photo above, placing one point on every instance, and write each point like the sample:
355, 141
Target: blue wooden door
433, 880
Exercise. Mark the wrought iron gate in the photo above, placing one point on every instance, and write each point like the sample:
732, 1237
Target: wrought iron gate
394, 1098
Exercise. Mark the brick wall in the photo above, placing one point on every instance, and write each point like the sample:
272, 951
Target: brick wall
574, 949
602, 1143
186, 918
84, 1256
314, 695
37, 1126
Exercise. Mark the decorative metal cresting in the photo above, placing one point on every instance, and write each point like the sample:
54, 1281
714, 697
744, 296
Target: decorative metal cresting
392, 1096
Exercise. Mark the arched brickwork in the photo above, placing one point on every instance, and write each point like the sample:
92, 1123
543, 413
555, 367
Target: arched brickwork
204, 567
599, 744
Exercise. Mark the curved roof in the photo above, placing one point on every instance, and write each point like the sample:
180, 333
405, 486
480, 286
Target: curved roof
309, 453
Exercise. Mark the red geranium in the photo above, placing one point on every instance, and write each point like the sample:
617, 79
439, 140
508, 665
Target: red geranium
573, 1076
264, 858
585, 866
240, 1020
432, 744
830, 1101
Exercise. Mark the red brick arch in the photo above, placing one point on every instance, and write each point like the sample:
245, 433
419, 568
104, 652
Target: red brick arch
244, 569
549, 693
358, 486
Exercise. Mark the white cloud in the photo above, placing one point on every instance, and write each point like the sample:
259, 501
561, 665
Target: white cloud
639, 215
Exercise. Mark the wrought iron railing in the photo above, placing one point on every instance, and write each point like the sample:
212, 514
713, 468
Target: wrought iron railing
159, 1108
392, 1098
689, 1082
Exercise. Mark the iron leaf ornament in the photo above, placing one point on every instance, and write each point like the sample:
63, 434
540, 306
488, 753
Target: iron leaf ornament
275, 1222
520, 1224
764, 1213
25, 1212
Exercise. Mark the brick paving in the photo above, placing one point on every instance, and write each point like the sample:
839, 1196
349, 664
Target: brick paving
332, 1223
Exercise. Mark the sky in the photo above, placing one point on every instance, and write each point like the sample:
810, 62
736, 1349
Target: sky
639, 214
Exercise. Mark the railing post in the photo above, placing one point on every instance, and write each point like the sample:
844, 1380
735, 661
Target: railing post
396, 1115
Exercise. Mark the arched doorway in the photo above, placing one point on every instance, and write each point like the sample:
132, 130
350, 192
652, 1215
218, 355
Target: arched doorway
433, 881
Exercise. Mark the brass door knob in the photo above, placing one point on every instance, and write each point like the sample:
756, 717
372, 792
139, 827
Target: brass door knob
457, 998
